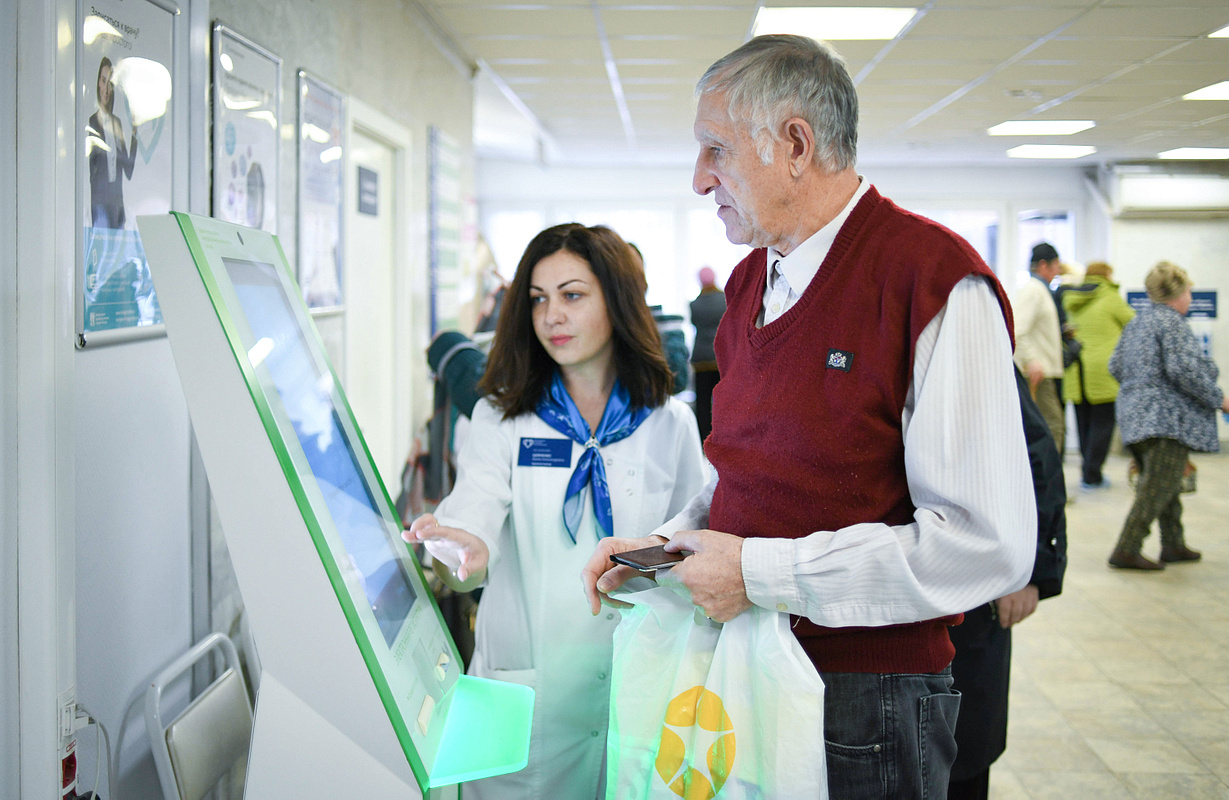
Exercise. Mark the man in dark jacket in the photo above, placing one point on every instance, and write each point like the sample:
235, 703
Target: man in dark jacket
982, 666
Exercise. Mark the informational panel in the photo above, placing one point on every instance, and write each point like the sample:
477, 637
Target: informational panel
342, 615
1203, 303
446, 224
128, 156
247, 113
321, 122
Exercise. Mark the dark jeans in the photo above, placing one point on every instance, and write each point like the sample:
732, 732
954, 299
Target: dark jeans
889, 737
1095, 423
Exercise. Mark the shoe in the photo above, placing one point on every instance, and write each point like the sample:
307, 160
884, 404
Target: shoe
1093, 487
1182, 553
1123, 560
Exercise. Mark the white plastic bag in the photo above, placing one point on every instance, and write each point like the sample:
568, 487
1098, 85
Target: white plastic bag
701, 710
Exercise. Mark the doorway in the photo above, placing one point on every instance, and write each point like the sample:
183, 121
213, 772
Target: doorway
376, 369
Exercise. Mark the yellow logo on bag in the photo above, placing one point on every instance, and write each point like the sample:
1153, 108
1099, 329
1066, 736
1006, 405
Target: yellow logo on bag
695, 706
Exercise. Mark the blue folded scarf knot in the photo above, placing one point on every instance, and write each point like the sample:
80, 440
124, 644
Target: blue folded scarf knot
619, 420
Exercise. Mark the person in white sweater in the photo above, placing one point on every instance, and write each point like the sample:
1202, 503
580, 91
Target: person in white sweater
1039, 339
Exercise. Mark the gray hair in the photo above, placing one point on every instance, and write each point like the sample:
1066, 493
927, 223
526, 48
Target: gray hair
772, 78
1166, 281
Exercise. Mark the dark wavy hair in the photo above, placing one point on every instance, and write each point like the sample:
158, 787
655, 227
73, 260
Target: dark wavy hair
519, 368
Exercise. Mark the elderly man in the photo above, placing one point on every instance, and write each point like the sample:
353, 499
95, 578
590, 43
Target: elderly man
1039, 338
871, 475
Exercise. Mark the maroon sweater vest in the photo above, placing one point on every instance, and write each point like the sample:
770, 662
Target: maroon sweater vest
807, 415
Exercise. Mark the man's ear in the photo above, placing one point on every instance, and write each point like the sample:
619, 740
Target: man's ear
800, 145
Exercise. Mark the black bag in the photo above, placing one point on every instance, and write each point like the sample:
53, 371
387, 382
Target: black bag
1071, 350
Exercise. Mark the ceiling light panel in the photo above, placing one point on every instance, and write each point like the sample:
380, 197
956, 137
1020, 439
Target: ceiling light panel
1217, 91
1051, 151
1223, 33
1200, 153
1040, 127
834, 23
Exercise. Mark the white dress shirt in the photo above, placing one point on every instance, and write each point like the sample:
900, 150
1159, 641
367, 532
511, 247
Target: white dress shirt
974, 533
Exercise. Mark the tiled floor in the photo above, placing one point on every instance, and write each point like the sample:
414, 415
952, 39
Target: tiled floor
1120, 686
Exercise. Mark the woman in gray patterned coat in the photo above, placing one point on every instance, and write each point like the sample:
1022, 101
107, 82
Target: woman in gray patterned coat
1166, 408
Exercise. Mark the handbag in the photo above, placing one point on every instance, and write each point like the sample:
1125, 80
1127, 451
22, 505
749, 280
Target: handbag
1188, 484
699, 709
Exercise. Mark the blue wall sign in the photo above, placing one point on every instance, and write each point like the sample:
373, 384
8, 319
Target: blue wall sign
1203, 304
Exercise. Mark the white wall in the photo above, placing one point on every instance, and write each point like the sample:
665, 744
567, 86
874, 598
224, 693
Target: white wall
9, 696
555, 192
96, 583
1200, 246
42, 476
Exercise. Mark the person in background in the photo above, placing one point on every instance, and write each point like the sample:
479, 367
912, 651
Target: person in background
1039, 352
1166, 408
1098, 314
577, 439
981, 670
865, 353
673, 341
706, 311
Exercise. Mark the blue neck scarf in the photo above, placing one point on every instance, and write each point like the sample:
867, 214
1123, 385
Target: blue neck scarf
619, 421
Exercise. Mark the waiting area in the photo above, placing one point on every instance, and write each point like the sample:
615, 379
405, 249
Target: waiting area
1120, 686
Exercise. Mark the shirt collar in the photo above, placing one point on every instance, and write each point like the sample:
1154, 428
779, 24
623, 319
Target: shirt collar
800, 266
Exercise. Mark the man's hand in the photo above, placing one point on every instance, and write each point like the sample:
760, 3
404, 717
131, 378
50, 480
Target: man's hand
464, 554
1017, 605
602, 576
712, 575
1035, 376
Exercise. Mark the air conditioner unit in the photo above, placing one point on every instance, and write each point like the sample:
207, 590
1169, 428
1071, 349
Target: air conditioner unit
1167, 190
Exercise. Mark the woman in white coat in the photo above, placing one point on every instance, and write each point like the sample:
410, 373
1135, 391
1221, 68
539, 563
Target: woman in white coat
577, 439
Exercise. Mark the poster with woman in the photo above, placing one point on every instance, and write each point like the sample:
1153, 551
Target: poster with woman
124, 57
321, 121
247, 83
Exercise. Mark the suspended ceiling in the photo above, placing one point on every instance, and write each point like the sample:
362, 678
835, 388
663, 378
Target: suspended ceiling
612, 80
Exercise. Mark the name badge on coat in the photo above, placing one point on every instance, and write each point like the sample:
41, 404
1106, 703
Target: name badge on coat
545, 453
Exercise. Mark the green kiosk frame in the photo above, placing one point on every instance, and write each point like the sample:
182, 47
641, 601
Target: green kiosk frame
360, 690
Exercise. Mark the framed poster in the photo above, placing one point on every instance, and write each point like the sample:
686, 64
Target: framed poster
321, 122
445, 230
125, 112
247, 110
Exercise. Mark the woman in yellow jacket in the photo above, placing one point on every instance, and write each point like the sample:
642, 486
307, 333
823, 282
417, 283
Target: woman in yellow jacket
1098, 313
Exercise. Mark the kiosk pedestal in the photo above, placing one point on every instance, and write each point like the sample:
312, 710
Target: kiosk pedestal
361, 693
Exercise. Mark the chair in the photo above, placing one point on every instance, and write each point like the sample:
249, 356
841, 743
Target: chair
209, 737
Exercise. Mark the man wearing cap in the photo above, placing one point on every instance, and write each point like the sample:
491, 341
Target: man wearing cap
1039, 347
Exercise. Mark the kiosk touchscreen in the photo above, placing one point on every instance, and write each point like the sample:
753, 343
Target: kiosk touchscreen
230, 304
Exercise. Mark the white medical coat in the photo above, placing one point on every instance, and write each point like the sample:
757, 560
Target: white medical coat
534, 627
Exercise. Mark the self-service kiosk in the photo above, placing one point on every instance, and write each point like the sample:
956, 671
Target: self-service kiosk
361, 691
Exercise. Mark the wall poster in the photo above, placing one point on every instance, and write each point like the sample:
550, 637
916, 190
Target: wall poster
445, 230
321, 122
247, 109
125, 111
